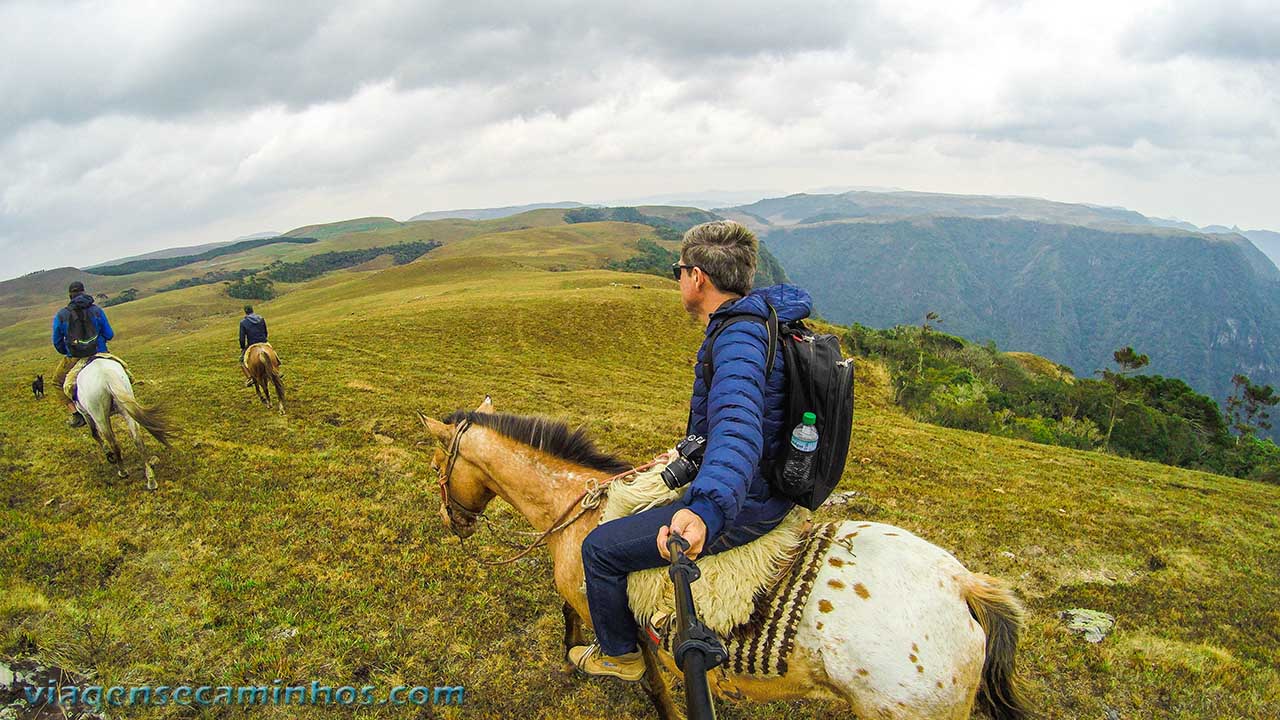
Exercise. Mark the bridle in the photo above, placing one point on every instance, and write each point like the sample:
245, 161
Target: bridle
591, 497
447, 502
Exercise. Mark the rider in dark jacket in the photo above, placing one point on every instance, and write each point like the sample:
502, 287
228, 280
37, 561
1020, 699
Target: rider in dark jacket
253, 330
741, 416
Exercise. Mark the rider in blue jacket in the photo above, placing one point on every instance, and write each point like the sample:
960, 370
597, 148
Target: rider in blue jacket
83, 301
741, 416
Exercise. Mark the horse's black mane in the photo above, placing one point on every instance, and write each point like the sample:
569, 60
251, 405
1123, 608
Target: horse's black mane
547, 435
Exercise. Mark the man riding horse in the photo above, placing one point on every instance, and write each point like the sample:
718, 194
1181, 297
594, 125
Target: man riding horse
741, 417
80, 330
253, 330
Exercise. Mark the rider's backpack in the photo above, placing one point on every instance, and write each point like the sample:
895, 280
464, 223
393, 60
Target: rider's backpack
819, 380
82, 332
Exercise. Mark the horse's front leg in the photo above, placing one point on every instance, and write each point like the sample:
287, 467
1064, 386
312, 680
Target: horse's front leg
573, 636
655, 683
93, 426
569, 583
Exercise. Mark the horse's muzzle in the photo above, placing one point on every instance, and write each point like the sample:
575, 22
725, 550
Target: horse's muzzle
460, 526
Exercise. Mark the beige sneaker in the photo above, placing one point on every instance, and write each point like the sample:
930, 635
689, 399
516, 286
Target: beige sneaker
591, 661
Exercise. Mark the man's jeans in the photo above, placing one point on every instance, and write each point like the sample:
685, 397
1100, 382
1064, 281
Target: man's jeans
627, 544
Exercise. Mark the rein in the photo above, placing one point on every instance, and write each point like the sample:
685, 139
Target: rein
590, 499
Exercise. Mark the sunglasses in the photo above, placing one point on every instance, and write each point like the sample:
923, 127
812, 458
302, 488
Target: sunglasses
676, 268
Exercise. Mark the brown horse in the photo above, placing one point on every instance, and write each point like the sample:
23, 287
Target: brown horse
896, 627
264, 367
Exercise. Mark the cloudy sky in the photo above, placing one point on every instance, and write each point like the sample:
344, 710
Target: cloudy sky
127, 127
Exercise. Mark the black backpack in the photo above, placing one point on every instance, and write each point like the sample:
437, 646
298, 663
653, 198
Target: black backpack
82, 332
819, 380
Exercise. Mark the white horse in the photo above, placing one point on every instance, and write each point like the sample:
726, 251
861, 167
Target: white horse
894, 626
103, 388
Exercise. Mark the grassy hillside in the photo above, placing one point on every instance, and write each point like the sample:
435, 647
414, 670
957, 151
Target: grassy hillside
307, 547
35, 296
343, 227
133, 267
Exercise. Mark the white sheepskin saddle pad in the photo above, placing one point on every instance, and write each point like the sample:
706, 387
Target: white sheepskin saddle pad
733, 582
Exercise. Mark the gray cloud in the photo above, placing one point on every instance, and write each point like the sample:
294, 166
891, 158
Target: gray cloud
69, 62
126, 128
1230, 30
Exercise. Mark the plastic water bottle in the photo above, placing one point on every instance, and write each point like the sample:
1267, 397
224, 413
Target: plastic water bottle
804, 448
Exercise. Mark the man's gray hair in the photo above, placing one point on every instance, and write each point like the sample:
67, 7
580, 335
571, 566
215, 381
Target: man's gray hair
726, 251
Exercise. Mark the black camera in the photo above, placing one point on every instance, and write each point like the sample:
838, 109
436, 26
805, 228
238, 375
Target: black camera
681, 471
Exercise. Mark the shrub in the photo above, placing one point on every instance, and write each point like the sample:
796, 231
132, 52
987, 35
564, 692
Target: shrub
253, 287
974, 416
121, 298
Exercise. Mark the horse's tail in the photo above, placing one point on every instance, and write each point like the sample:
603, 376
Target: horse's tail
155, 420
997, 610
266, 368
273, 370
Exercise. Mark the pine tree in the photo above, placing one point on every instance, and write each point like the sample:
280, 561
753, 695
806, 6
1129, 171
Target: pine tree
1247, 408
925, 327
1129, 362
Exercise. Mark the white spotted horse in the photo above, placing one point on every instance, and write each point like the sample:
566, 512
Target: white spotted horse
870, 614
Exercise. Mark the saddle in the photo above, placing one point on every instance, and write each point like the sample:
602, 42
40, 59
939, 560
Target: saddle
743, 591
69, 385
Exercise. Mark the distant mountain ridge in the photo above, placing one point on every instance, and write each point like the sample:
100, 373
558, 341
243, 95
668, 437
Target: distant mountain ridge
181, 251
492, 213
1265, 240
1203, 306
164, 254
802, 208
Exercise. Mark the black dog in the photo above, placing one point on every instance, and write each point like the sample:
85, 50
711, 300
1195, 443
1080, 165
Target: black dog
37, 387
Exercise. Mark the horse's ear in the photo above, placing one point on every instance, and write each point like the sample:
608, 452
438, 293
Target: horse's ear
486, 406
439, 430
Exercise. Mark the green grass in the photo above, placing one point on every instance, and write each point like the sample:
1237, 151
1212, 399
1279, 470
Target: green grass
308, 547
38, 295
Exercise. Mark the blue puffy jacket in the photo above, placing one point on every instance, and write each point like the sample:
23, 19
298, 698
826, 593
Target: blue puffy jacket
63, 318
742, 414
